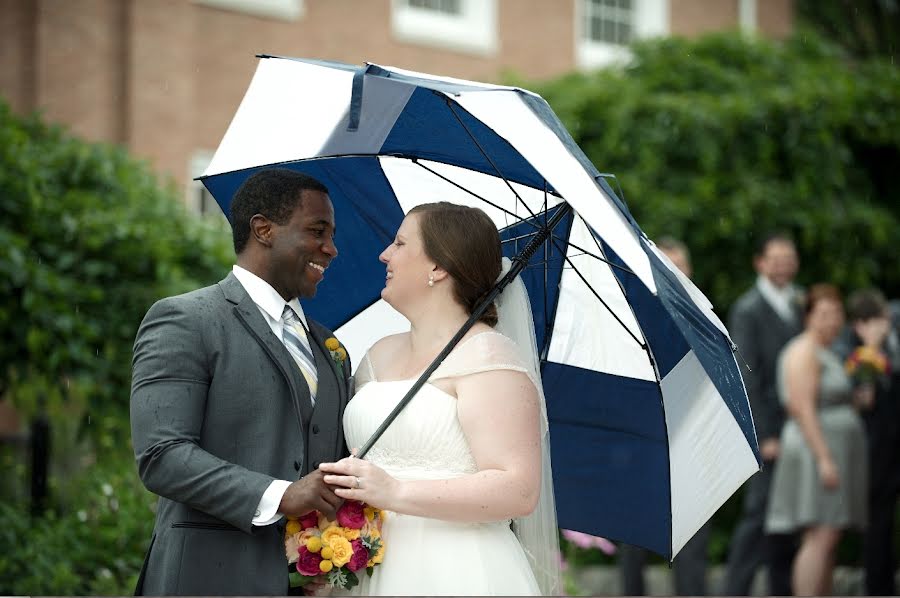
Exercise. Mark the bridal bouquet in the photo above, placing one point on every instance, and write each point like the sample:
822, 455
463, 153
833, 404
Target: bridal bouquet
866, 365
332, 552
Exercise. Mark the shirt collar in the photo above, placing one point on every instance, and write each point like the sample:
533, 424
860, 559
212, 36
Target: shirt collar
264, 296
779, 298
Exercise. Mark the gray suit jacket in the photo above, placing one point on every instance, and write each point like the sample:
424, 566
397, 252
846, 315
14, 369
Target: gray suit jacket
760, 334
219, 410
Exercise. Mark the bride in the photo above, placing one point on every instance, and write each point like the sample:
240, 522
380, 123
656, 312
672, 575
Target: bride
464, 471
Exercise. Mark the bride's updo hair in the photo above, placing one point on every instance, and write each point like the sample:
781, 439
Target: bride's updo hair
464, 242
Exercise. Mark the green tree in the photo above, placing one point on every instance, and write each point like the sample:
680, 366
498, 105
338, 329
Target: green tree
865, 28
89, 239
720, 139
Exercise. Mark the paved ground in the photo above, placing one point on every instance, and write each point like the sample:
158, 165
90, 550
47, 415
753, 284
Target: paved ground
606, 581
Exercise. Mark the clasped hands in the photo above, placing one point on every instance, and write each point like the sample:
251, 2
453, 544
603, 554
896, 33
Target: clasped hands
328, 486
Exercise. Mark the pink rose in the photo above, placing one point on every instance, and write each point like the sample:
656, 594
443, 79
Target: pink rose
360, 556
308, 563
309, 520
351, 514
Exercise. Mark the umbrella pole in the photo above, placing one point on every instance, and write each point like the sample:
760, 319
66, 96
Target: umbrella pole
518, 264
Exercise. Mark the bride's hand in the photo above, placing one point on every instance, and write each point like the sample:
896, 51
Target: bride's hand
357, 479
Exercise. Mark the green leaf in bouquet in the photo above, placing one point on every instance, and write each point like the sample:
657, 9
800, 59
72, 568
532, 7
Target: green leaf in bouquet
370, 571
298, 580
352, 580
372, 543
337, 577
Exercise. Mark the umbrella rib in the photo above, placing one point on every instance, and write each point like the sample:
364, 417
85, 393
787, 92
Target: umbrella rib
600, 299
476, 196
548, 332
450, 104
536, 227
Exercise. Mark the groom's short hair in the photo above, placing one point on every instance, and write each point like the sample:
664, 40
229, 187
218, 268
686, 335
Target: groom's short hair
274, 193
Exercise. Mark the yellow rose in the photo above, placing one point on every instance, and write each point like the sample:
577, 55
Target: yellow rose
325, 566
379, 556
327, 552
369, 513
314, 544
351, 534
332, 532
293, 527
342, 551
332, 344
341, 353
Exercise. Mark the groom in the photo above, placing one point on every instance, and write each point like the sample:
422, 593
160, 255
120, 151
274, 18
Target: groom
235, 400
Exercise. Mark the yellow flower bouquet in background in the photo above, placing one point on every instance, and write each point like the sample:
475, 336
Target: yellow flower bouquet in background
333, 552
866, 365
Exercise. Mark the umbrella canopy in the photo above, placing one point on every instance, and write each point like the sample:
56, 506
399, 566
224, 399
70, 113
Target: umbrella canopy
650, 425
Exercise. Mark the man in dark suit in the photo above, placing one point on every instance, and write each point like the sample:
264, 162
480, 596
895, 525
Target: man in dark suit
761, 322
235, 400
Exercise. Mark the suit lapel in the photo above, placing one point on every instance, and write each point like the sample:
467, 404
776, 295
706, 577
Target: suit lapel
248, 314
325, 366
786, 329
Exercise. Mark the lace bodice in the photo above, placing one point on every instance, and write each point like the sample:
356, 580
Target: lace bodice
426, 440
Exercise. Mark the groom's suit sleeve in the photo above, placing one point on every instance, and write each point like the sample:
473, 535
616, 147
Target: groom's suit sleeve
170, 380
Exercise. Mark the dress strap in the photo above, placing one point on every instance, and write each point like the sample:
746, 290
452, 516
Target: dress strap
483, 352
365, 373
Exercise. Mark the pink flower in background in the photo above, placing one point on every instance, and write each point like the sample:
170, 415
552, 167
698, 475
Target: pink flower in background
582, 540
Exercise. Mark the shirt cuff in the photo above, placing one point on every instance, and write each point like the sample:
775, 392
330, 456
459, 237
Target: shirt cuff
267, 509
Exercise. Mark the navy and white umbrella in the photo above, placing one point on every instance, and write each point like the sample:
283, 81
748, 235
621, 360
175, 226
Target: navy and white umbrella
650, 426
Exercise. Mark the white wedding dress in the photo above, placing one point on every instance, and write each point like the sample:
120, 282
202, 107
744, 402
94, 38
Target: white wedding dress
429, 556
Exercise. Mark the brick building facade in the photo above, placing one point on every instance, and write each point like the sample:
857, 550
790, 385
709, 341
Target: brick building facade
164, 77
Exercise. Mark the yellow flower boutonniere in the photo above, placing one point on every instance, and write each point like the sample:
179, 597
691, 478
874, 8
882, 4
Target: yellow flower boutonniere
338, 353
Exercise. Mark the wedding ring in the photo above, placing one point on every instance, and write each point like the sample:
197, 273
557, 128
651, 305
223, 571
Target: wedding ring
358, 485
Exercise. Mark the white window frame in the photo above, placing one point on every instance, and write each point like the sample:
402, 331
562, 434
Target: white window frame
747, 15
650, 18
474, 31
197, 198
282, 10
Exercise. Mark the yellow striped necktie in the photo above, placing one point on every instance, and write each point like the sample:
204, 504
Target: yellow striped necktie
296, 341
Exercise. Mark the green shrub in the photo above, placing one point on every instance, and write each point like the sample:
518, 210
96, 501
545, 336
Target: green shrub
89, 241
90, 542
720, 139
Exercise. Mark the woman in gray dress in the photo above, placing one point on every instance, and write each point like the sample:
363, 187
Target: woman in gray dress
819, 484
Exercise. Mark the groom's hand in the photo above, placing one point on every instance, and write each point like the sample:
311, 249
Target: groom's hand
309, 493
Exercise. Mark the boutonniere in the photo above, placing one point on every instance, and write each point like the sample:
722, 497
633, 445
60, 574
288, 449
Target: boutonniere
338, 353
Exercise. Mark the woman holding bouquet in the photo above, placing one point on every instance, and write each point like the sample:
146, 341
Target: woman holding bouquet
468, 455
872, 361
819, 484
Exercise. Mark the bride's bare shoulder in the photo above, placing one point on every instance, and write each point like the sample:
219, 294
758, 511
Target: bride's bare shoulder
387, 345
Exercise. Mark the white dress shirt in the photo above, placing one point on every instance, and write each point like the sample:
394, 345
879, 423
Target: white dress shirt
271, 306
779, 298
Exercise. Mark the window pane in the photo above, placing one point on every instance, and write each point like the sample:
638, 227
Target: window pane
608, 21
452, 7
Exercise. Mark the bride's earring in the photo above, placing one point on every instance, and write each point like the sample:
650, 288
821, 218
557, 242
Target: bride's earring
431, 280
